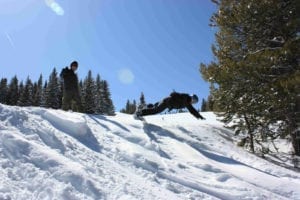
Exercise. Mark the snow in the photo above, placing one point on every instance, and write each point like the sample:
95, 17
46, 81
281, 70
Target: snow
53, 154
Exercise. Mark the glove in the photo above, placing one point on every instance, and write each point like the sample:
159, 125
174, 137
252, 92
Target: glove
202, 118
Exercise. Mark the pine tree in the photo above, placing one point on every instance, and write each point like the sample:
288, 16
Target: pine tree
204, 106
21, 88
60, 92
26, 94
132, 107
99, 98
52, 91
142, 102
3, 91
108, 107
89, 94
123, 110
210, 102
13, 91
101, 105
129, 107
38, 92
81, 90
43, 102
257, 68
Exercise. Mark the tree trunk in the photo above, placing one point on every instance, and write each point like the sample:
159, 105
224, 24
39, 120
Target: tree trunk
250, 133
296, 143
295, 136
294, 132
251, 142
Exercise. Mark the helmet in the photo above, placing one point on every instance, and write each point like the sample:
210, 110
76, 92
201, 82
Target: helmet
194, 98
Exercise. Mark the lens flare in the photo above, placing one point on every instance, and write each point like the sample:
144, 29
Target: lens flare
55, 7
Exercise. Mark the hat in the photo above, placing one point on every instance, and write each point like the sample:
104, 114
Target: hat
74, 63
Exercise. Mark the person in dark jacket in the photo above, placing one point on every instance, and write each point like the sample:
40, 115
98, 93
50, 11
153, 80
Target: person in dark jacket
174, 101
71, 97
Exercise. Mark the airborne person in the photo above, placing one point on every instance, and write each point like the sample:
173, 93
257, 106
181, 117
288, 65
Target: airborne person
174, 101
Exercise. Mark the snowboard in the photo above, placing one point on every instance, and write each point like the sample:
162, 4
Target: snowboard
141, 118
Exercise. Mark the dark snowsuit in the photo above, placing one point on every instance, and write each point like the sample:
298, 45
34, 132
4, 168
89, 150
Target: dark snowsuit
71, 98
174, 101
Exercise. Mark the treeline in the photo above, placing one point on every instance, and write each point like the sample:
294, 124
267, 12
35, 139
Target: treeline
95, 93
255, 77
131, 106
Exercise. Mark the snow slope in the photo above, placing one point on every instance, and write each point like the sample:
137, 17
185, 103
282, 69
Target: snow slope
52, 154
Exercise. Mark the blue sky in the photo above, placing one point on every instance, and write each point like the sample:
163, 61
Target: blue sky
149, 46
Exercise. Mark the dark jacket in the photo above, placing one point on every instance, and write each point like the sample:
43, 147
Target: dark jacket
179, 101
70, 79
174, 101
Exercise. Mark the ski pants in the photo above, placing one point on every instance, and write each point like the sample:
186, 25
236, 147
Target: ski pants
156, 108
71, 101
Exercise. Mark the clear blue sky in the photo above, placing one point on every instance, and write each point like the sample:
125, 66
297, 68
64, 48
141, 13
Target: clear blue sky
149, 46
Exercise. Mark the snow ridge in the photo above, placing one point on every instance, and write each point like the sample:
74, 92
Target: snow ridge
53, 154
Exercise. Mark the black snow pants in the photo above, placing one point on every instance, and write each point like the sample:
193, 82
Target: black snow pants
154, 109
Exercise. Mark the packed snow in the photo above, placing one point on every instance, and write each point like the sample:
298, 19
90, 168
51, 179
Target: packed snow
53, 154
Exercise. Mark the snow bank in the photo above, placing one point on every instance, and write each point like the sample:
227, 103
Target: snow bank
73, 125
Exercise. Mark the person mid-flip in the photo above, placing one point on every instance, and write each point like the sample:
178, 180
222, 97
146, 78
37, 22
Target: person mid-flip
174, 101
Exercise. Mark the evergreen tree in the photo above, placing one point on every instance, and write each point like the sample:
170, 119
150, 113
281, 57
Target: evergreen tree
89, 95
26, 94
80, 86
60, 92
257, 68
52, 91
38, 92
124, 110
3, 91
108, 107
129, 107
210, 103
21, 88
81, 91
34, 92
133, 107
99, 97
204, 106
13, 91
43, 103
142, 102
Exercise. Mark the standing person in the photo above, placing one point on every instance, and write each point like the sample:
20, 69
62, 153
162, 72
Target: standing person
174, 101
71, 97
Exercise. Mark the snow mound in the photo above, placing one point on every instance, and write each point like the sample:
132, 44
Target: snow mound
53, 154
73, 125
